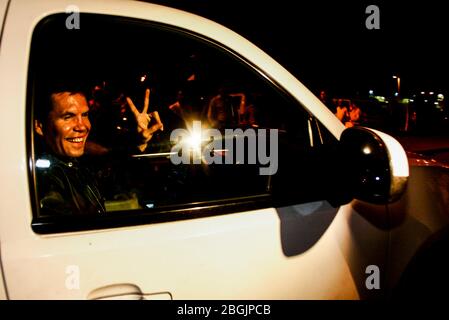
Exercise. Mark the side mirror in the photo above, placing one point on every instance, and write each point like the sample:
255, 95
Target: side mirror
376, 165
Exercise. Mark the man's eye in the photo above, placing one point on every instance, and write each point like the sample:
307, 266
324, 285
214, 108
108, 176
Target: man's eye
85, 114
67, 116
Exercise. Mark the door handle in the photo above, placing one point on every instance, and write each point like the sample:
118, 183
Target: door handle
126, 291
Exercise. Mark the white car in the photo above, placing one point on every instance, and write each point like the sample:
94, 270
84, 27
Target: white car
315, 227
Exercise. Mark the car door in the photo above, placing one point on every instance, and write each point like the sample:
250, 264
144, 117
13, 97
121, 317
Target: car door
190, 230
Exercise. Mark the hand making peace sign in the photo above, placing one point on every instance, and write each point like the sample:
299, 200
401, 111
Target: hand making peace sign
144, 127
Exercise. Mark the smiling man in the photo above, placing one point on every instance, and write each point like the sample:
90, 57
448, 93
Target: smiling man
67, 125
64, 184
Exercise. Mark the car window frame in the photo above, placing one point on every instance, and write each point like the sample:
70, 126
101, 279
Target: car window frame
118, 219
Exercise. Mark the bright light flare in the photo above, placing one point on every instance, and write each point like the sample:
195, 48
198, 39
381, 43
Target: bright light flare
194, 141
367, 150
43, 163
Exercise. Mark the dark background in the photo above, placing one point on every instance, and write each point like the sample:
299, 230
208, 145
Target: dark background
326, 44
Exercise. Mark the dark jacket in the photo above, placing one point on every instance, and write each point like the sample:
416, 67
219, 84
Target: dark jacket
65, 187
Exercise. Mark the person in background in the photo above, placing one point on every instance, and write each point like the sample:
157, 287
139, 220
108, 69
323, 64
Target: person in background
323, 96
221, 113
348, 113
354, 114
341, 111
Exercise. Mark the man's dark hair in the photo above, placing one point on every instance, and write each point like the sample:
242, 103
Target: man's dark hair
43, 102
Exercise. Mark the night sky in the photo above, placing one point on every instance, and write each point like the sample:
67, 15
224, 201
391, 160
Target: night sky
326, 44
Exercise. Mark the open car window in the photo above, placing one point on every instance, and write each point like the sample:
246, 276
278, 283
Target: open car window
114, 58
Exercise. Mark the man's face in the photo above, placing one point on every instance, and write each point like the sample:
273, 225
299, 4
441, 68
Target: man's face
68, 125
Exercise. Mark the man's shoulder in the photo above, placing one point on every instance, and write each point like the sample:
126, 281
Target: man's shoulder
51, 167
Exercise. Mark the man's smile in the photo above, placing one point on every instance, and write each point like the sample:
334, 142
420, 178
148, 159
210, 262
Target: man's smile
76, 139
